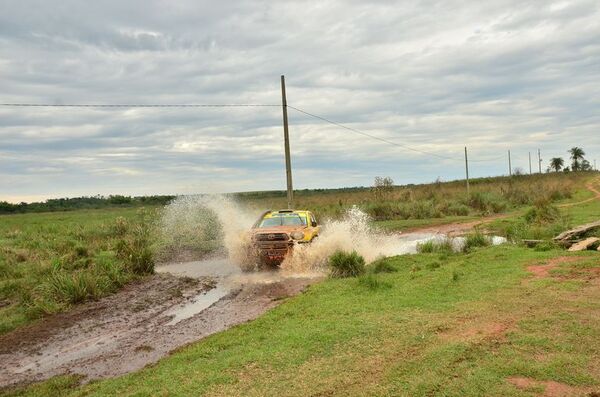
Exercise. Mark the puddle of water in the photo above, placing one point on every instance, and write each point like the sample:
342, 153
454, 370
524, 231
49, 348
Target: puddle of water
229, 276
197, 305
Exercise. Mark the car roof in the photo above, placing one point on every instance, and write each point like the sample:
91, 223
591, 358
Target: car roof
271, 214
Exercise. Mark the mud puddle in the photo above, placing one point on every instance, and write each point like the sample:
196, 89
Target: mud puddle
142, 323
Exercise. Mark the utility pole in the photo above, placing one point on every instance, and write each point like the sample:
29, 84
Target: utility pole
509, 165
595, 169
467, 171
286, 138
539, 161
529, 163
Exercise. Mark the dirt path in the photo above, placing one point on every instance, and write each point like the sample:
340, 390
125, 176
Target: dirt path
589, 186
136, 326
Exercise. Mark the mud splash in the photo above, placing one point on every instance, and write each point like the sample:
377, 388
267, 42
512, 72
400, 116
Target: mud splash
351, 233
197, 221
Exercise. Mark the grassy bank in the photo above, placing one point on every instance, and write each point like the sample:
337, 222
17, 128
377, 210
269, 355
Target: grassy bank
49, 262
453, 325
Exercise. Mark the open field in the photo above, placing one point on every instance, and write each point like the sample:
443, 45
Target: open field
502, 320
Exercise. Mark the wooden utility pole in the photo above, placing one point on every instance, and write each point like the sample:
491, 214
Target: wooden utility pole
539, 161
509, 165
286, 139
529, 163
467, 171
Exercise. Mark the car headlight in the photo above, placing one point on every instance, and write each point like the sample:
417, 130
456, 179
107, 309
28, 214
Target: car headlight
297, 235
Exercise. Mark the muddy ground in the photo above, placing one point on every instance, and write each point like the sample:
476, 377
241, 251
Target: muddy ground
142, 323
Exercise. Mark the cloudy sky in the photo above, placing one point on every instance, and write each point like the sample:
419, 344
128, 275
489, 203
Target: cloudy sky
432, 75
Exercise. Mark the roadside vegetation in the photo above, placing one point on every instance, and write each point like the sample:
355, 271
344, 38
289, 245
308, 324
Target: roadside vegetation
49, 262
476, 323
474, 319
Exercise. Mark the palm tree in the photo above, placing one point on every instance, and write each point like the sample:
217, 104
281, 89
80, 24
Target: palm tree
577, 154
556, 163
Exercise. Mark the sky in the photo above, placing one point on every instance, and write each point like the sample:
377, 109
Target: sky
434, 76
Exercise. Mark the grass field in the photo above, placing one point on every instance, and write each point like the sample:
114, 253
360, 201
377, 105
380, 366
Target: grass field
464, 324
51, 261
475, 323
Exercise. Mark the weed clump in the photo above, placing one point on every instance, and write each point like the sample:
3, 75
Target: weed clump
542, 212
475, 239
443, 245
344, 264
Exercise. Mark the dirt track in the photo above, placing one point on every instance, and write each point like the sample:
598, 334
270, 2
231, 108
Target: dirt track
132, 328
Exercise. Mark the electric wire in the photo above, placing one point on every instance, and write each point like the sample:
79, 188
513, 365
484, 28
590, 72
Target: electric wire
137, 105
241, 105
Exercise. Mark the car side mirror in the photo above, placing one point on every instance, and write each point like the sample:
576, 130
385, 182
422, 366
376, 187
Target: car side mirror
313, 224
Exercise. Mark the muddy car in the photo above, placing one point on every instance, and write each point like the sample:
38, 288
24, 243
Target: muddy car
276, 233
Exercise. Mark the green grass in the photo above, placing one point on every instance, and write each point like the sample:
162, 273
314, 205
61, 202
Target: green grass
51, 261
431, 331
412, 325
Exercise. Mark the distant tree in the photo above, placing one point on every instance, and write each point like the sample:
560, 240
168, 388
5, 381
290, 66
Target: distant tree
518, 171
566, 169
577, 154
586, 166
556, 163
382, 187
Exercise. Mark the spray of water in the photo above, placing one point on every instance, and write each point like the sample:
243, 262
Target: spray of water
351, 233
205, 221
190, 221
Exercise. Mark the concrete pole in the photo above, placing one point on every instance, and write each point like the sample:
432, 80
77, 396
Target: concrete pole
509, 165
539, 161
286, 138
529, 163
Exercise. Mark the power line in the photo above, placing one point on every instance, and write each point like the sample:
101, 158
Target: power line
240, 105
371, 136
137, 105
383, 139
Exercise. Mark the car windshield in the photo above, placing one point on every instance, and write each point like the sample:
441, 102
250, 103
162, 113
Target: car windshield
277, 220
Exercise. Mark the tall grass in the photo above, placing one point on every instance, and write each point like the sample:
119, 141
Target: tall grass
488, 196
51, 261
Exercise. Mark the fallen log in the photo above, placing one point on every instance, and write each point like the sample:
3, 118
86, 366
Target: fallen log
569, 234
585, 244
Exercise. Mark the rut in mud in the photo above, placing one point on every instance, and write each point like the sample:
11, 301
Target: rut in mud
138, 325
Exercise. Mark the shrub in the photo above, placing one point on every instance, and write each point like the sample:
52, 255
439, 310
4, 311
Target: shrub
443, 245
345, 264
542, 212
487, 202
475, 239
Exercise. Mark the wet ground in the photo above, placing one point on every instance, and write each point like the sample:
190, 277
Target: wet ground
182, 303
143, 322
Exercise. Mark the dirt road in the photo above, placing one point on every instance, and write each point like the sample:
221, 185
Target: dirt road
142, 323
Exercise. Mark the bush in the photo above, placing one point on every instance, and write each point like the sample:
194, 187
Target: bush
345, 264
475, 239
443, 245
487, 202
542, 212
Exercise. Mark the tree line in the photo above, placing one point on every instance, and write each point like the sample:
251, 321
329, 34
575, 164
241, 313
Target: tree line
77, 203
578, 162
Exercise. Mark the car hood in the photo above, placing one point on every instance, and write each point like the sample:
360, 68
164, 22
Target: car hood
277, 229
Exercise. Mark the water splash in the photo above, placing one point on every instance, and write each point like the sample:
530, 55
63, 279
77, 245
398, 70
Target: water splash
351, 233
203, 222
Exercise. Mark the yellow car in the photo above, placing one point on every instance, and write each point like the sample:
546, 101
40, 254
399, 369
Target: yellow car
276, 232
